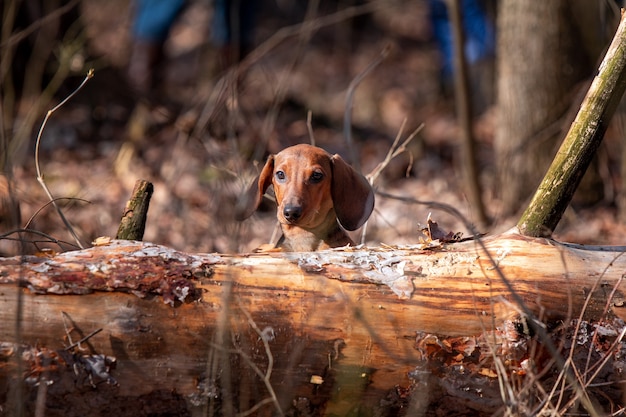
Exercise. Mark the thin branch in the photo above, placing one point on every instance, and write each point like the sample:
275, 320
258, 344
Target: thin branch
15, 38
270, 359
84, 339
37, 145
40, 209
347, 116
50, 239
239, 351
255, 407
311, 25
607, 356
609, 300
263, 337
309, 126
393, 152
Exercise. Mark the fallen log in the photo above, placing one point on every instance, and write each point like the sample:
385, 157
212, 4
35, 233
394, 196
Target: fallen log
270, 329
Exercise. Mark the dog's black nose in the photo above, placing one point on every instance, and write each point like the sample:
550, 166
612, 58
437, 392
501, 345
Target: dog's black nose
292, 213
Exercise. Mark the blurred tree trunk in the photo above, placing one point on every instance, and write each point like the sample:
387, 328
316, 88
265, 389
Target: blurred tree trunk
38, 40
462, 92
544, 50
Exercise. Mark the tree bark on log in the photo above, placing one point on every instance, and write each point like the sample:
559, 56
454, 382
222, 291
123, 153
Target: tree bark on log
133, 223
299, 324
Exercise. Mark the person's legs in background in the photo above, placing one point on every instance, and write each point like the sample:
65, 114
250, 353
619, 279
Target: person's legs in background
151, 25
232, 30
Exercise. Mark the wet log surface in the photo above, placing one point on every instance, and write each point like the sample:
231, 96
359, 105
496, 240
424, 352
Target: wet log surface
293, 333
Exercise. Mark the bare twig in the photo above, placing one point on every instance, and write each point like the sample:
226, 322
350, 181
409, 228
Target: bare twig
312, 25
309, 126
263, 337
48, 238
570, 358
40, 209
15, 38
239, 351
607, 356
347, 116
604, 314
84, 339
256, 406
393, 152
68, 333
37, 144
270, 361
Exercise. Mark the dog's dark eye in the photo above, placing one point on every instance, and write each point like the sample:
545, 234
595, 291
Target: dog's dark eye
316, 177
280, 176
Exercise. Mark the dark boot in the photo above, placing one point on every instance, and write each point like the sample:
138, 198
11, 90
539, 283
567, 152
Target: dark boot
145, 58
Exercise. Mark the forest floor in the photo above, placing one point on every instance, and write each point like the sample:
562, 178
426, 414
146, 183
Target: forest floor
203, 138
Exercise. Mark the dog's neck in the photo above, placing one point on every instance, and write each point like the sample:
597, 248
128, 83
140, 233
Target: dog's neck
328, 235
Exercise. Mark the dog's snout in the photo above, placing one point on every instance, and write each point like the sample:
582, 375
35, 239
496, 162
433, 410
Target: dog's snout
292, 212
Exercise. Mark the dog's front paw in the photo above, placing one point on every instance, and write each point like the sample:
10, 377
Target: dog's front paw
266, 247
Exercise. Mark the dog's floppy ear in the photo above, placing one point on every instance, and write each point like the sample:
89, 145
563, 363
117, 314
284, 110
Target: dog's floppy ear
251, 200
352, 194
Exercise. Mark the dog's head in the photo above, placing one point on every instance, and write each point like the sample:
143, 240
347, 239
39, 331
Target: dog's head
309, 183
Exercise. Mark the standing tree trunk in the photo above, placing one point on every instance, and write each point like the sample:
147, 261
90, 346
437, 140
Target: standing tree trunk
541, 57
579, 146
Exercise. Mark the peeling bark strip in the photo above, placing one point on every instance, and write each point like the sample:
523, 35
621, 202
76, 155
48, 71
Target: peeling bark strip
125, 266
325, 318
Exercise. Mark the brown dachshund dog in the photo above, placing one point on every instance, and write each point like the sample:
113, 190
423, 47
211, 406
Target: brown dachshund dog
313, 191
